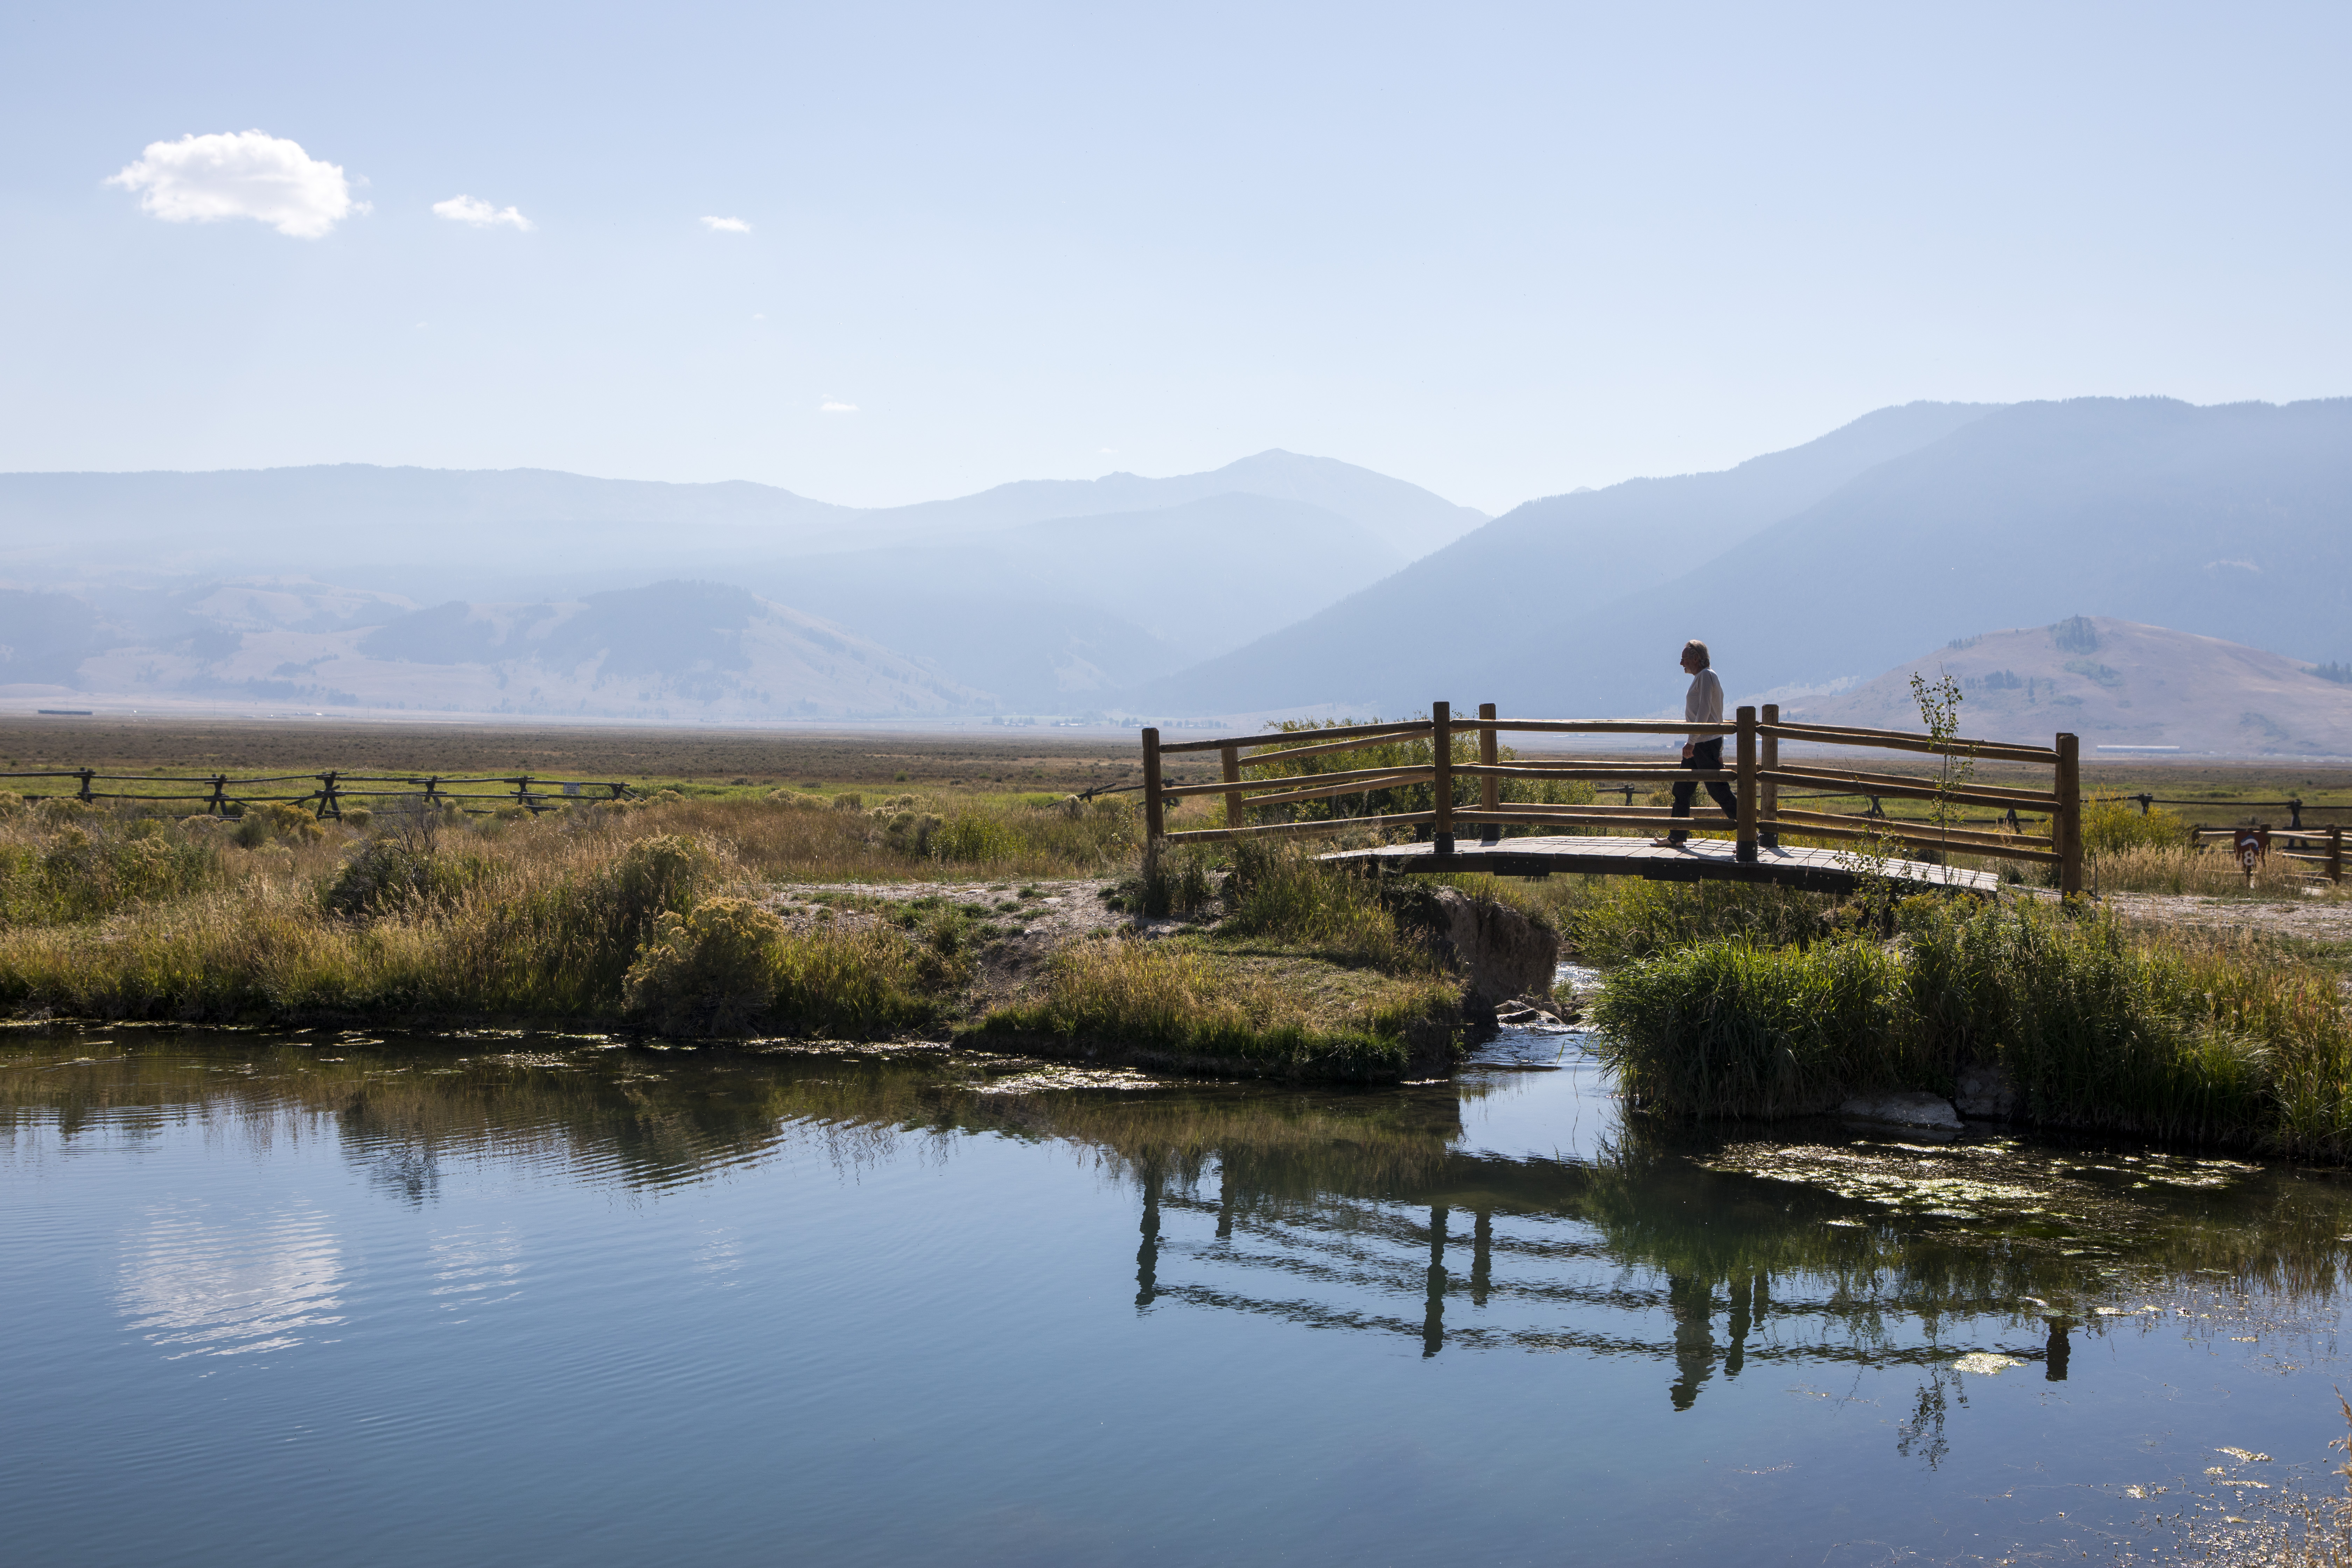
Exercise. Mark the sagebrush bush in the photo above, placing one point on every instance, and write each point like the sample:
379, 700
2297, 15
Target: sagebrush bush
710, 970
274, 820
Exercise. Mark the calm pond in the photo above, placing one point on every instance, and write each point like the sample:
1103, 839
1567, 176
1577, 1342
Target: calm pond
315, 1298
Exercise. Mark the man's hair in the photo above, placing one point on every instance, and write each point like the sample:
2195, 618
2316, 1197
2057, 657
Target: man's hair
1698, 647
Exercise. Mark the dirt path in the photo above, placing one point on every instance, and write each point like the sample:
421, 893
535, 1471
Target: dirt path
2328, 920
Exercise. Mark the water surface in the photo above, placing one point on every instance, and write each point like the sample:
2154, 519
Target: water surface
293, 1298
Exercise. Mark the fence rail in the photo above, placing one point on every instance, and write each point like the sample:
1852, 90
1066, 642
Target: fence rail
219, 791
1756, 778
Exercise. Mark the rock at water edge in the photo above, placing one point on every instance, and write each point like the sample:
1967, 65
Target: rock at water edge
1904, 1109
1506, 955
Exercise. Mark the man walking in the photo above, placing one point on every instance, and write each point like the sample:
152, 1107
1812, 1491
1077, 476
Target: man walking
1702, 705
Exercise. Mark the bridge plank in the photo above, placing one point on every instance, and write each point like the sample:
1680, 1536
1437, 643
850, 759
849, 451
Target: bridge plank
1700, 860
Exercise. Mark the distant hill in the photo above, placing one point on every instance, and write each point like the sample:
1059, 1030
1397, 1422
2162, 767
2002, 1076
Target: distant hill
1040, 596
2114, 683
2232, 521
674, 651
1549, 563
454, 534
1058, 616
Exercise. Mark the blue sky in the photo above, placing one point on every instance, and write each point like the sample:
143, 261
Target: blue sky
1501, 251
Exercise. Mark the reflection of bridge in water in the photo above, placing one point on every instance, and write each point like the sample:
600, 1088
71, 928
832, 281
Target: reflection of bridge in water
1535, 1279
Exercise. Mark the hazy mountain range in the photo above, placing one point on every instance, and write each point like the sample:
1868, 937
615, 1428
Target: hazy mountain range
1277, 583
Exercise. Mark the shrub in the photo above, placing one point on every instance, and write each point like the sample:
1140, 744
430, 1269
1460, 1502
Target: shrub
708, 971
399, 870
277, 820
2113, 823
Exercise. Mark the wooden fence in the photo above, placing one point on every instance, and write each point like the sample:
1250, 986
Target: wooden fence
2321, 846
1758, 776
217, 792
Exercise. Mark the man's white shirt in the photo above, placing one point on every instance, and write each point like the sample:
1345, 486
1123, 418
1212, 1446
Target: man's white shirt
1704, 703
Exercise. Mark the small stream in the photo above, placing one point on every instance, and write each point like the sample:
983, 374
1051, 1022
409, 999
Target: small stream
304, 1298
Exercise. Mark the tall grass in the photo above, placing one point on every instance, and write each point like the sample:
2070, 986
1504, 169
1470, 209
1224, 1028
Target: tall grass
1176, 1002
1611, 921
2098, 1025
1280, 893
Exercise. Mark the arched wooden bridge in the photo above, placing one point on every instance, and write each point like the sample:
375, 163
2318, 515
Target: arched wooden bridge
1462, 828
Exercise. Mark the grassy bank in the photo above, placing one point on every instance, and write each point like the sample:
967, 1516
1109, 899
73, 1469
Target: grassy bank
661, 917
2097, 1024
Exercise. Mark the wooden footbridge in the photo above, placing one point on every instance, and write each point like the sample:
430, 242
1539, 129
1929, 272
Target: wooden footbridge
1298, 783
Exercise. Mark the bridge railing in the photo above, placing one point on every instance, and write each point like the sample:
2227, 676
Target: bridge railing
1756, 777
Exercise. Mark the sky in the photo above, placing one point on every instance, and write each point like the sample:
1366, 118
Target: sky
879, 254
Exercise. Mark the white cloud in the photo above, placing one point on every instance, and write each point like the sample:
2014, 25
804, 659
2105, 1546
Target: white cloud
836, 405
479, 212
725, 226
245, 173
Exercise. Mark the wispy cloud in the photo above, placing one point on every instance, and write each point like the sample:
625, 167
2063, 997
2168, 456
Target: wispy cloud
725, 226
479, 212
833, 404
244, 173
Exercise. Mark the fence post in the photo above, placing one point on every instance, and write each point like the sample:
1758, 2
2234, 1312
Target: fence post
1768, 794
328, 805
218, 805
1154, 820
1236, 814
1441, 754
1743, 843
2068, 821
1490, 789
2336, 852
86, 775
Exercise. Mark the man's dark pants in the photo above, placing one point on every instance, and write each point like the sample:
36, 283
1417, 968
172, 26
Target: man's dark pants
1707, 755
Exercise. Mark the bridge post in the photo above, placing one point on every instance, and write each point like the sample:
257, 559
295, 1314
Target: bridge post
1768, 794
1154, 817
1441, 743
1744, 836
1490, 789
2066, 825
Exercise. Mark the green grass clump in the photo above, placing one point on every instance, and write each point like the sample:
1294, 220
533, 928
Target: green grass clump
1179, 1001
1279, 893
2099, 1027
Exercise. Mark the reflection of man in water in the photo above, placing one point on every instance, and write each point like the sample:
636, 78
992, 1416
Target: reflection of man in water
1692, 1304
1703, 704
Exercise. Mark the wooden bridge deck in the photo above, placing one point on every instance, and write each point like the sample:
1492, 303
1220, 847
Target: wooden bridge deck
1700, 860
